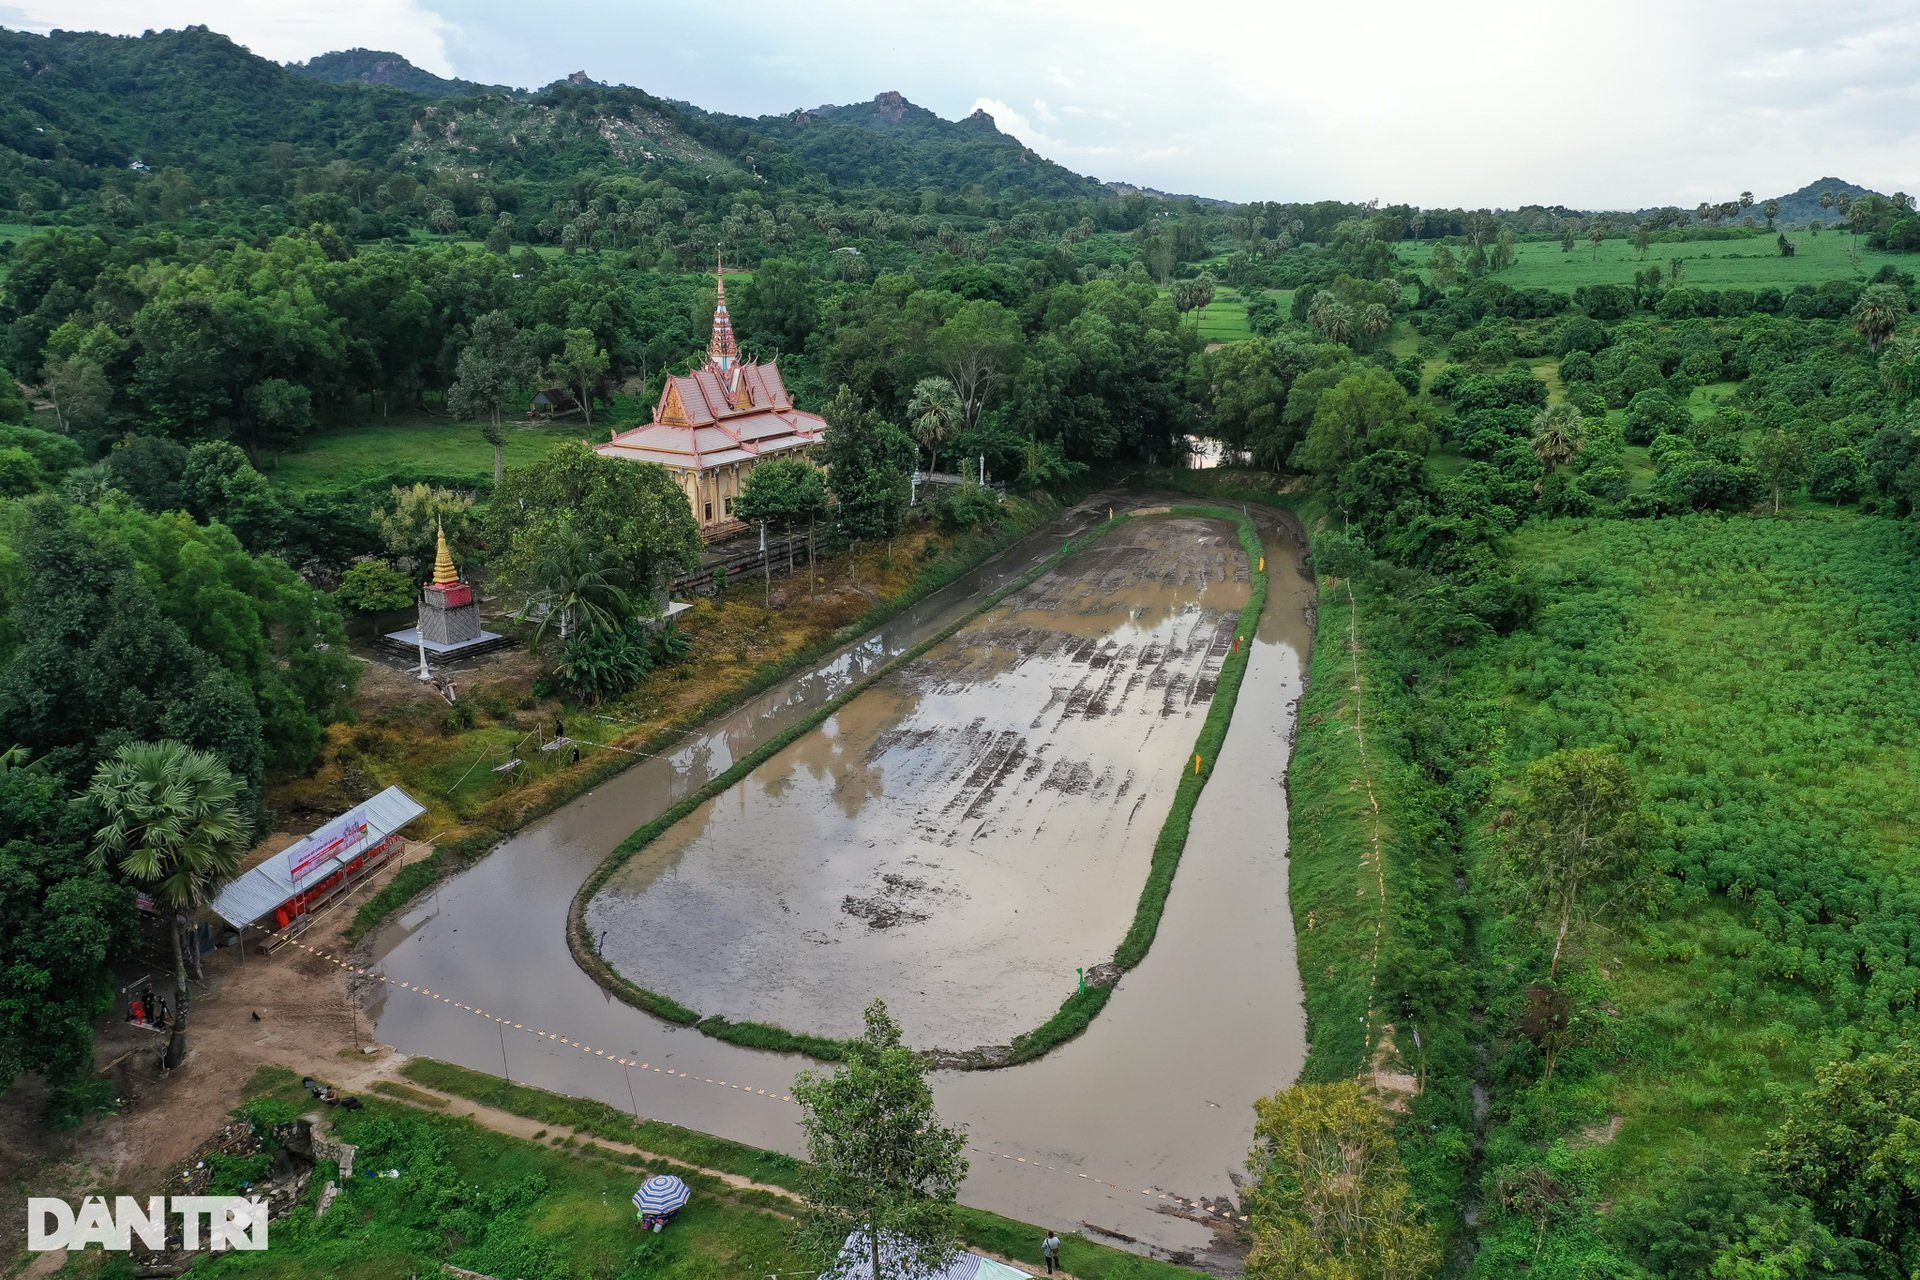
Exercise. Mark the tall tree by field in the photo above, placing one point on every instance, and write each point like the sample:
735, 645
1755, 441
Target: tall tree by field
579, 365
1442, 265
934, 416
1772, 209
977, 349
879, 1161
869, 464
1576, 849
632, 513
1781, 459
1879, 312
174, 825
494, 367
1330, 1199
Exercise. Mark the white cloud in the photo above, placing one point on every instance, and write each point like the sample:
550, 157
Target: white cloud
278, 29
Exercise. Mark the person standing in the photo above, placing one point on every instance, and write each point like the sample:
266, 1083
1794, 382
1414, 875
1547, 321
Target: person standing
1050, 1250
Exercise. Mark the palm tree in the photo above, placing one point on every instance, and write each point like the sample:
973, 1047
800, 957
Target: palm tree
14, 757
933, 411
1772, 209
1879, 312
175, 825
570, 573
1375, 320
1559, 434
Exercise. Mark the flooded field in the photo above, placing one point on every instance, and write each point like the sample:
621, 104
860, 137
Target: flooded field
962, 836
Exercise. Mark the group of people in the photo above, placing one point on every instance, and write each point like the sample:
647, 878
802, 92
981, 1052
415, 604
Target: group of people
146, 1010
328, 1094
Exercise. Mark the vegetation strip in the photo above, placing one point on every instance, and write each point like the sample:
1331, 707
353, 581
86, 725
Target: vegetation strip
1080, 1008
979, 1228
418, 877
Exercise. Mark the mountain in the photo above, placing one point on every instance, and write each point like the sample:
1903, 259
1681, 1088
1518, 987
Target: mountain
890, 142
78, 106
371, 66
1803, 206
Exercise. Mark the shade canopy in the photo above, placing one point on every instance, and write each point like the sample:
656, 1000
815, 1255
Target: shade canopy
662, 1193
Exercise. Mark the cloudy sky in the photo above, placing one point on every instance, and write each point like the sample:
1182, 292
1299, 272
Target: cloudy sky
1476, 102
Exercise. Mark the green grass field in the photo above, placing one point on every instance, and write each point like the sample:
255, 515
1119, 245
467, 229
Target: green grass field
1718, 264
1225, 318
371, 457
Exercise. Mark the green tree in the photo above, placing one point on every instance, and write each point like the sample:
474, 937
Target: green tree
879, 1161
282, 410
1442, 266
1330, 1199
935, 416
779, 306
785, 492
976, 348
571, 581
579, 365
1900, 364
1365, 402
61, 929
1575, 851
632, 515
1559, 434
79, 393
410, 522
219, 483
869, 464
494, 367
1781, 460
1851, 1145
1772, 209
174, 825
1879, 312
373, 586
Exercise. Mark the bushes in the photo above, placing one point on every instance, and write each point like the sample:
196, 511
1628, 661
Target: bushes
957, 508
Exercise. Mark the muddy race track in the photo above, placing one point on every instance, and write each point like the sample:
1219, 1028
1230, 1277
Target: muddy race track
965, 834
1155, 1097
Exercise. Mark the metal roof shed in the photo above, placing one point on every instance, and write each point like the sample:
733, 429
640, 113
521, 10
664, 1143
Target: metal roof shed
256, 894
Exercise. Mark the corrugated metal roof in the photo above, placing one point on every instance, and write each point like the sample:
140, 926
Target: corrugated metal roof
254, 894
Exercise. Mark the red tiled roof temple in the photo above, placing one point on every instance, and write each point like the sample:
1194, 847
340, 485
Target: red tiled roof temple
727, 412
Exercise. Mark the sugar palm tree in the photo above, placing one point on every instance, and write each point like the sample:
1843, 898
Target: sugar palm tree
1879, 312
175, 825
1559, 434
933, 412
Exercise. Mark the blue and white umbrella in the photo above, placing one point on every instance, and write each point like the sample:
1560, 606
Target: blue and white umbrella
662, 1193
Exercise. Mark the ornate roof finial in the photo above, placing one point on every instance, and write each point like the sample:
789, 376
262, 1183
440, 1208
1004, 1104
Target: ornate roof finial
722, 351
444, 573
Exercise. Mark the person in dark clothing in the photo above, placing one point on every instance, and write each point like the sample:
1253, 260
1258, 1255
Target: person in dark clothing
576, 756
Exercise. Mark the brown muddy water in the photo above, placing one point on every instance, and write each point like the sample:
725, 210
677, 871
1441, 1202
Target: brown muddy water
962, 836
1156, 1096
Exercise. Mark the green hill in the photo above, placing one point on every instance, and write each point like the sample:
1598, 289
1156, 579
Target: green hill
89, 106
1798, 208
372, 66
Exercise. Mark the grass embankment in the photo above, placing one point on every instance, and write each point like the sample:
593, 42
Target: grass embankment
1081, 1007
503, 1206
1710, 264
979, 1229
741, 647
374, 456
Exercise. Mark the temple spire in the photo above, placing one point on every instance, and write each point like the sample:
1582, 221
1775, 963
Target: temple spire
444, 573
722, 351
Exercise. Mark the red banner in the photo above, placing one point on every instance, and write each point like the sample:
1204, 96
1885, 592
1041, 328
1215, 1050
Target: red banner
327, 848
